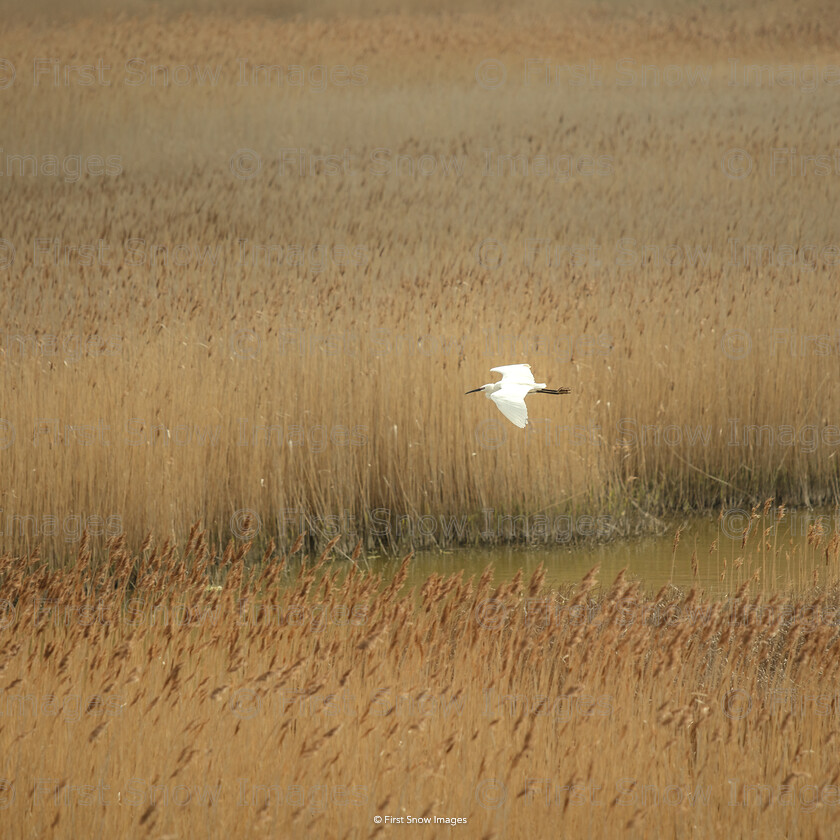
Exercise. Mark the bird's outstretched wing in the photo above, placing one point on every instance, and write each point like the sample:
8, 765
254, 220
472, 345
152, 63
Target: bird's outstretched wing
520, 374
511, 402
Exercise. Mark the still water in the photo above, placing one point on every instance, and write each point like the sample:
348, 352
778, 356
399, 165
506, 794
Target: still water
778, 549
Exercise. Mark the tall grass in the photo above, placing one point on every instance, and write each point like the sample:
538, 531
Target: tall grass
358, 362
178, 690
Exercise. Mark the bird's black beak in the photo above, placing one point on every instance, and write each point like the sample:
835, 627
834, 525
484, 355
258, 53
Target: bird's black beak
474, 390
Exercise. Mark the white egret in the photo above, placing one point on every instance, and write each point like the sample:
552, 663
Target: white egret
509, 393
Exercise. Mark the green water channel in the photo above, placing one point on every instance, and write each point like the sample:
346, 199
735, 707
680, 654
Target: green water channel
779, 549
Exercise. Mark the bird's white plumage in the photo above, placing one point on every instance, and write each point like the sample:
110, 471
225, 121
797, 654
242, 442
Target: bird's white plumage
510, 391
519, 374
510, 399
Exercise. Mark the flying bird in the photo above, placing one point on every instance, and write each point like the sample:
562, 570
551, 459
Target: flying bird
509, 393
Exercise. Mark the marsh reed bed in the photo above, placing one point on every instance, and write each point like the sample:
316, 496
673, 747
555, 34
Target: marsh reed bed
252, 262
265, 295
178, 690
